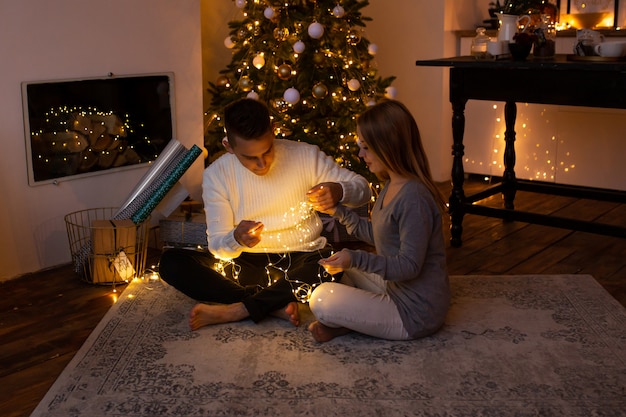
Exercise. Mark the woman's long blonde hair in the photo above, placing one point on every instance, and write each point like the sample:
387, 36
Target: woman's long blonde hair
391, 132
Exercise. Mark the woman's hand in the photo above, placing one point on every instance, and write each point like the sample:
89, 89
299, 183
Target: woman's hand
248, 233
337, 262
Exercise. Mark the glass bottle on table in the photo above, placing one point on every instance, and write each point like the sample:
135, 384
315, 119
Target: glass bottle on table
479, 44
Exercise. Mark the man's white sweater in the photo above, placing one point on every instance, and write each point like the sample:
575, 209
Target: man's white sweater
232, 193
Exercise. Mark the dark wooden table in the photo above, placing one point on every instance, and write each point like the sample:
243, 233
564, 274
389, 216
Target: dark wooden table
561, 80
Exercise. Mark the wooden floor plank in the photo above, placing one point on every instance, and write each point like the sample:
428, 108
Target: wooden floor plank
23, 390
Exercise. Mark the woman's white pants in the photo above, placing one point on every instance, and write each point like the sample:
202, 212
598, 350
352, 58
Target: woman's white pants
360, 303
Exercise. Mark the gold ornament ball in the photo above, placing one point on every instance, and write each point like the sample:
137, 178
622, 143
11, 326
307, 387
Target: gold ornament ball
222, 81
281, 34
245, 83
319, 91
284, 71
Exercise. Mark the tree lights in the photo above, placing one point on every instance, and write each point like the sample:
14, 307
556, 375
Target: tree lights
309, 61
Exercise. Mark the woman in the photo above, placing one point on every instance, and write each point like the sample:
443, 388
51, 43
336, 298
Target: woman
401, 291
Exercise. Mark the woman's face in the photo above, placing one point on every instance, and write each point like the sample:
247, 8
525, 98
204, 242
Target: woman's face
374, 163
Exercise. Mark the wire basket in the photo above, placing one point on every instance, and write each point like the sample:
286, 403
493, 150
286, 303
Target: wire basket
106, 251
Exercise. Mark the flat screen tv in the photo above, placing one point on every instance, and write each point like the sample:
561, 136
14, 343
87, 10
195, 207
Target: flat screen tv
83, 127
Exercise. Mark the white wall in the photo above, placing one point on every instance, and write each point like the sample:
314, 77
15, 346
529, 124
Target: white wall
407, 31
404, 33
61, 39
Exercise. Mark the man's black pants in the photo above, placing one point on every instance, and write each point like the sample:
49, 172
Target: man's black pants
264, 282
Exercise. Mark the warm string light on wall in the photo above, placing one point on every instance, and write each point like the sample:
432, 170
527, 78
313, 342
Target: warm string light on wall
536, 144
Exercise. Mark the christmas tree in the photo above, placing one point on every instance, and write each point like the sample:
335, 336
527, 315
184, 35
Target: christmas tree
309, 61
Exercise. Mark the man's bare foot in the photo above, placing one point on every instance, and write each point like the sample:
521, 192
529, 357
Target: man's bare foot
290, 313
206, 314
322, 333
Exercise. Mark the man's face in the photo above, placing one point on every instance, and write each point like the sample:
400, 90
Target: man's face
256, 155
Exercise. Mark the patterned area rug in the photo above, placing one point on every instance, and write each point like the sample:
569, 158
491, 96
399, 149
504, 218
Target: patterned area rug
511, 346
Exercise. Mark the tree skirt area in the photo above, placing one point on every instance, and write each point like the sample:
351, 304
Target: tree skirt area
526, 345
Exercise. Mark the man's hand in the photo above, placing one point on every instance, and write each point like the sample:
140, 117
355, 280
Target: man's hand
325, 196
336, 263
248, 233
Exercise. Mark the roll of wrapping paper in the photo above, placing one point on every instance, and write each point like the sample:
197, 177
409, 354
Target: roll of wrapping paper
143, 213
160, 164
149, 189
151, 183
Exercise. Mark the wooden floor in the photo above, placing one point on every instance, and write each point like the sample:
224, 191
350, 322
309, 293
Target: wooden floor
45, 317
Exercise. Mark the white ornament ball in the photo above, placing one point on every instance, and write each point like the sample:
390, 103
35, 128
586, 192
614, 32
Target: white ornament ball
258, 61
354, 84
372, 49
291, 95
269, 13
338, 11
228, 42
253, 95
371, 102
391, 92
316, 30
298, 47
240, 3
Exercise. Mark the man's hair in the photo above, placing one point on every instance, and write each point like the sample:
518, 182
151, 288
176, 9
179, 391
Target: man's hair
246, 119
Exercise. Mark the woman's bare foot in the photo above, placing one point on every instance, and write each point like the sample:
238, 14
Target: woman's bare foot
323, 333
206, 314
290, 313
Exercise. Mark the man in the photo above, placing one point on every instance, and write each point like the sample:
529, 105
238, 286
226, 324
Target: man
262, 229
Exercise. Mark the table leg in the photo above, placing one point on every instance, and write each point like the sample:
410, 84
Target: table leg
457, 196
508, 179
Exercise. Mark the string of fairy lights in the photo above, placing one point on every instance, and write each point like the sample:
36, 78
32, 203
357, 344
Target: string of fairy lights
279, 269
